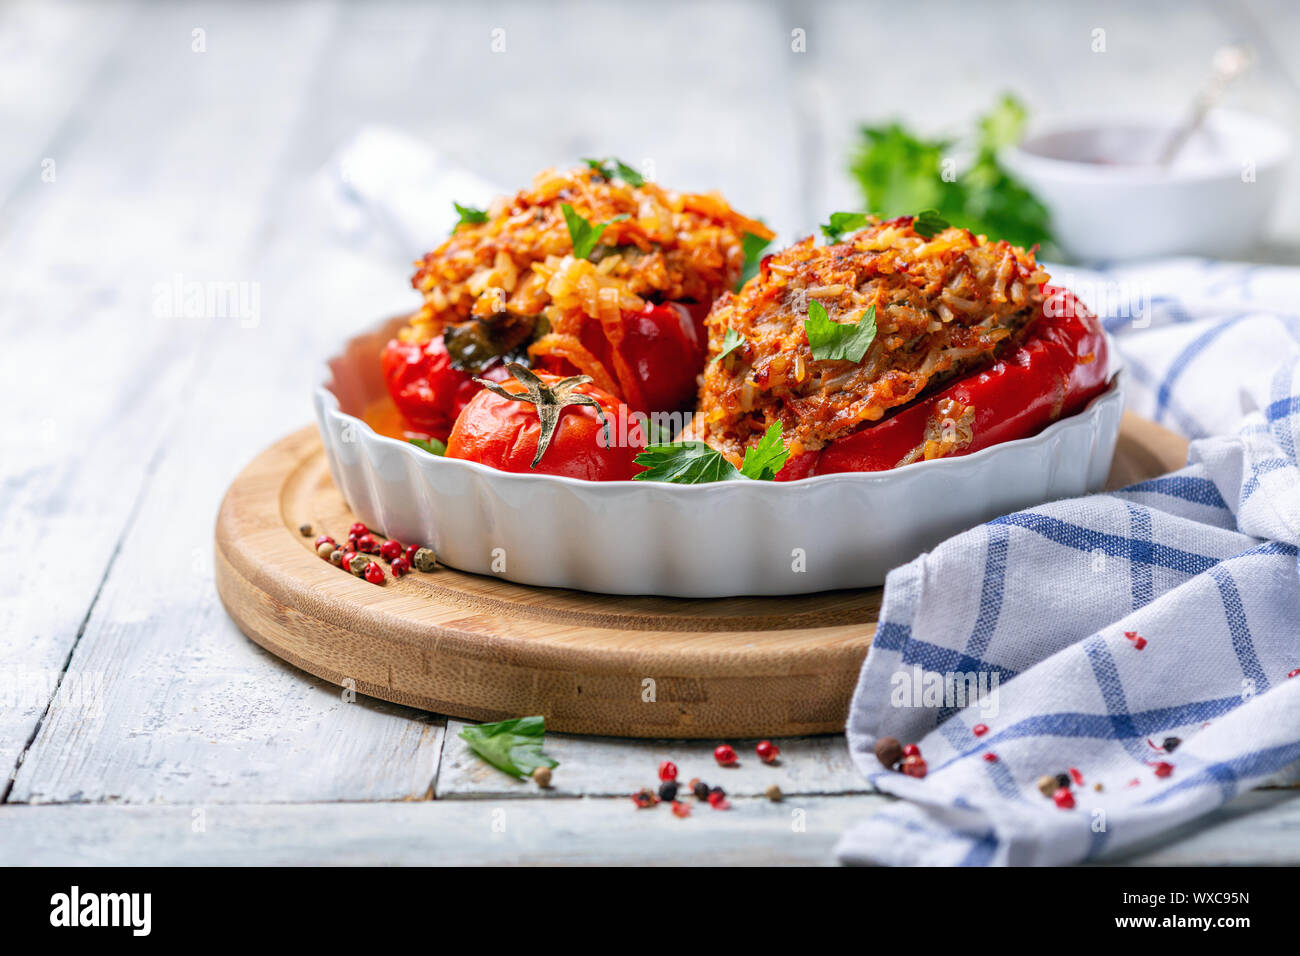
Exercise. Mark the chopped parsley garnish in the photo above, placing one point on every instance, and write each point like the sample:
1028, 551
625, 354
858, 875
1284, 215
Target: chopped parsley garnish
583, 234
468, 214
842, 222
612, 168
730, 342
695, 463
845, 341
929, 223
753, 246
431, 445
514, 746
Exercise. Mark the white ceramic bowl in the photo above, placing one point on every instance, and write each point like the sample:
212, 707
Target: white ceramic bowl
716, 540
1110, 201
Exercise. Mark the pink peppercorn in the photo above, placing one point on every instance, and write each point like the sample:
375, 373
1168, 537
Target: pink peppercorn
358, 529
1163, 768
767, 751
374, 573
979, 730
725, 755
1064, 798
390, 550
399, 567
668, 770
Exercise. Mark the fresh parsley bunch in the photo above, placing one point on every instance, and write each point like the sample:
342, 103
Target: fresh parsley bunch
899, 172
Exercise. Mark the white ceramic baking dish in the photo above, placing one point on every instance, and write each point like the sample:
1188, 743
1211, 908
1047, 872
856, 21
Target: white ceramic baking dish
714, 540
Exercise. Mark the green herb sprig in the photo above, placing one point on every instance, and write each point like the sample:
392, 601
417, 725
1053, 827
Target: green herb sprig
582, 233
845, 341
899, 172
613, 168
695, 463
468, 215
513, 746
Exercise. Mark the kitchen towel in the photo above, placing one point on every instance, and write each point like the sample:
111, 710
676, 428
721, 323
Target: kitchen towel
1143, 643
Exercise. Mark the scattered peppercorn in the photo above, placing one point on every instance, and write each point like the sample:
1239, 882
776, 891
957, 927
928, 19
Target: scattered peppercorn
1063, 780
542, 776
336, 557
358, 529
368, 544
390, 550
359, 566
668, 771
1163, 769
911, 750
424, 560
347, 560
990, 757
304, 530
399, 567
681, 809
979, 730
700, 789
325, 550
767, 751
668, 790
1047, 785
410, 552
1171, 744
913, 765
889, 751
374, 573
1098, 787
718, 799
645, 798
325, 539
1294, 673
1076, 776
773, 793
725, 755
1063, 798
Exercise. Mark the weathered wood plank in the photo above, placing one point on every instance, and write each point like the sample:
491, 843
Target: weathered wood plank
598, 766
1256, 829
189, 710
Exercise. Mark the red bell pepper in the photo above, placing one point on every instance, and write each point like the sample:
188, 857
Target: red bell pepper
1056, 371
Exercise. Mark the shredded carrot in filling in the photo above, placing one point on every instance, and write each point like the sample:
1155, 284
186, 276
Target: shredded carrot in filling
944, 306
670, 247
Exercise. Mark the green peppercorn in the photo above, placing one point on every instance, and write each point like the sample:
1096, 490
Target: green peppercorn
359, 565
424, 559
304, 530
774, 793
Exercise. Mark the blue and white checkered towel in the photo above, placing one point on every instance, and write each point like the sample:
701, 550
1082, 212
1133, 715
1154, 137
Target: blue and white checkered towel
1078, 637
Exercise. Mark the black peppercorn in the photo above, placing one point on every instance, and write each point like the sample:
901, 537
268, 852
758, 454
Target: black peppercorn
701, 790
1171, 744
1062, 779
668, 790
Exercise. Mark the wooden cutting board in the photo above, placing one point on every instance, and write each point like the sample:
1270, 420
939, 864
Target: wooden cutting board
482, 648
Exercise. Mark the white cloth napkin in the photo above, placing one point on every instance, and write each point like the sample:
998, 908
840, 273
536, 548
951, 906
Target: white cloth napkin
1104, 625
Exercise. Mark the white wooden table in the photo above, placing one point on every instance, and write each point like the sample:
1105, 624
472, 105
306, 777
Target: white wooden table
137, 725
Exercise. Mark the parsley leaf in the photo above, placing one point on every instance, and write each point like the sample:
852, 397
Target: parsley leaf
765, 459
684, 463
842, 222
928, 223
612, 168
845, 341
695, 463
514, 746
431, 445
899, 172
753, 246
582, 233
730, 342
468, 214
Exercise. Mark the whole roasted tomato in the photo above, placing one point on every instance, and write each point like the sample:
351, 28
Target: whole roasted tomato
1056, 371
505, 426
426, 388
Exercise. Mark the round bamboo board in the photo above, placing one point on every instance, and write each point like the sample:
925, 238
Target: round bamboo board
482, 648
